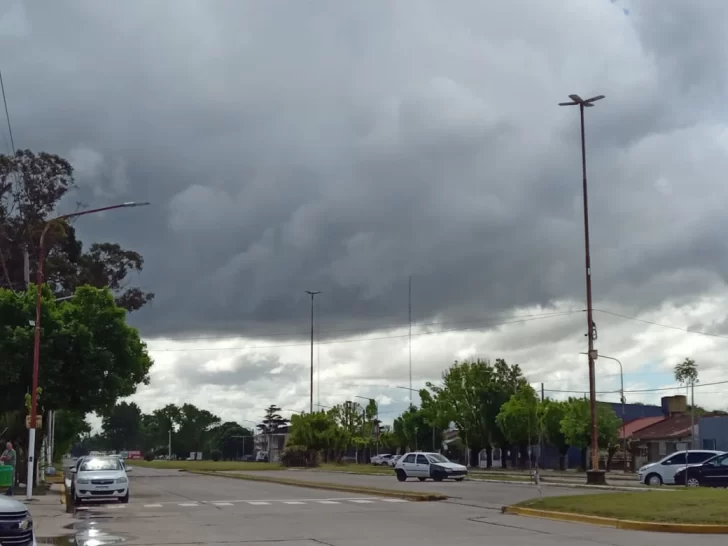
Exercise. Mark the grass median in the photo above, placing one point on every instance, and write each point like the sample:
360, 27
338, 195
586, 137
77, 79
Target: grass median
207, 466
416, 496
696, 506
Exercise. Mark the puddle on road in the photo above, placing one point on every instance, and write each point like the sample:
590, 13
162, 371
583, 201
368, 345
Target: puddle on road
87, 533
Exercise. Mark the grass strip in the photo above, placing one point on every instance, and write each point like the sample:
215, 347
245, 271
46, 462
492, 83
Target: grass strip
693, 506
375, 491
207, 466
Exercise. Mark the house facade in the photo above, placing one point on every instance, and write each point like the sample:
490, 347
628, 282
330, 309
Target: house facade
713, 432
273, 444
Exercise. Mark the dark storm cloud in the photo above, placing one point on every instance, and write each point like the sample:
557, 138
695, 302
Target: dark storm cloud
343, 147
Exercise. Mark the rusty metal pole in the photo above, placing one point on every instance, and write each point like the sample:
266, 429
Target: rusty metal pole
595, 475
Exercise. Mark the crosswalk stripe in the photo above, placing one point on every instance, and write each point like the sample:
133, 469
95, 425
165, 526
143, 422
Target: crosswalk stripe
361, 501
328, 502
189, 504
152, 506
222, 503
258, 503
293, 502
394, 500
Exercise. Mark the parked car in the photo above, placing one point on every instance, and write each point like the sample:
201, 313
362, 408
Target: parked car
381, 460
16, 523
663, 471
711, 473
393, 460
100, 478
423, 465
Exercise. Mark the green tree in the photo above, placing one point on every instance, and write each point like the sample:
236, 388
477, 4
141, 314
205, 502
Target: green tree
551, 415
519, 419
195, 425
576, 426
471, 395
90, 357
122, 427
231, 440
71, 427
31, 188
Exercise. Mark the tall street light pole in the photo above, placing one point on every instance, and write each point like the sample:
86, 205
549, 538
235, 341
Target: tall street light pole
312, 294
411, 406
36, 346
594, 475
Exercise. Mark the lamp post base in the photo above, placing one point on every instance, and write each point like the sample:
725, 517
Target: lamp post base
596, 477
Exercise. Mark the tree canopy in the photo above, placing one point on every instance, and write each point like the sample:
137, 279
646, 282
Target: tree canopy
89, 356
31, 188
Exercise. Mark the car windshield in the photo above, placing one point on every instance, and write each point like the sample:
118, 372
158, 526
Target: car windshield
437, 458
100, 464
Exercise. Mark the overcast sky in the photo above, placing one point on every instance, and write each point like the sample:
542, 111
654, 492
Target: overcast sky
345, 146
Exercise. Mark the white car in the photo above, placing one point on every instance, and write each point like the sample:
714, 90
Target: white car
100, 478
422, 465
663, 471
16, 524
393, 460
381, 460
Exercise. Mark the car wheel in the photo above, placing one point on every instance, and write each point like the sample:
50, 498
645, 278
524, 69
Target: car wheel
438, 477
401, 476
653, 479
76, 500
693, 482
459, 479
422, 479
125, 498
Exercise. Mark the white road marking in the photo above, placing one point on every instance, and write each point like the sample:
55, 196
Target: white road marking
258, 503
328, 502
222, 503
115, 506
361, 501
293, 502
189, 504
152, 506
394, 500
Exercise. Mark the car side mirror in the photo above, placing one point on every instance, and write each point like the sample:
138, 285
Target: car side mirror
129, 469
74, 470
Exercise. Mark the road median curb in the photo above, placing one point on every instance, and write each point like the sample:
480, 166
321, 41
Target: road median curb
407, 495
654, 526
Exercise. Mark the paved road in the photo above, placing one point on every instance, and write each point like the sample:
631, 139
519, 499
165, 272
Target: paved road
168, 507
473, 493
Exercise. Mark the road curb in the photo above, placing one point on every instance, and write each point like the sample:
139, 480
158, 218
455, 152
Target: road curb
659, 527
407, 495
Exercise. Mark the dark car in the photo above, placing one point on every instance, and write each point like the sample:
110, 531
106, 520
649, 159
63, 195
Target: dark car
712, 473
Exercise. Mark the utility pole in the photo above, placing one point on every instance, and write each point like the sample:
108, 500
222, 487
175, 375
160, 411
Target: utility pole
542, 396
169, 446
409, 308
594, 476
312, 294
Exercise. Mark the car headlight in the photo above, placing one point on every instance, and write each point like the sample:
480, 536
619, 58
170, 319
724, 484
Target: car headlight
82, 481
26, 523
121, 480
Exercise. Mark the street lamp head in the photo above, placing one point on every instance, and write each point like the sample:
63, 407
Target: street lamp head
130, 204
313, 293
576, 100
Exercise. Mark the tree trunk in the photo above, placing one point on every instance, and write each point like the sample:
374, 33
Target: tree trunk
562, 458
583, 459
489, 457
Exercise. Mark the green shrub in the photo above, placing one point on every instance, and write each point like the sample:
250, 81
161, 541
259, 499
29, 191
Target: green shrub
215, 455
149, 456
299, 456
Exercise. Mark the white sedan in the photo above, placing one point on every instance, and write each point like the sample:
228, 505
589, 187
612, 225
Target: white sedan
422, 465
100, 478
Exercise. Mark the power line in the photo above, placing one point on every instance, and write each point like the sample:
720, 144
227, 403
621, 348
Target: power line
651, 323
302, 333
7, 114
354, 340
637, 391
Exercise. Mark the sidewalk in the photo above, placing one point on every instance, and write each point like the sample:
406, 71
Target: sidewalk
49, 513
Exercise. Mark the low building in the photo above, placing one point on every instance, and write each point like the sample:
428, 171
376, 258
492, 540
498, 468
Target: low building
273, 444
